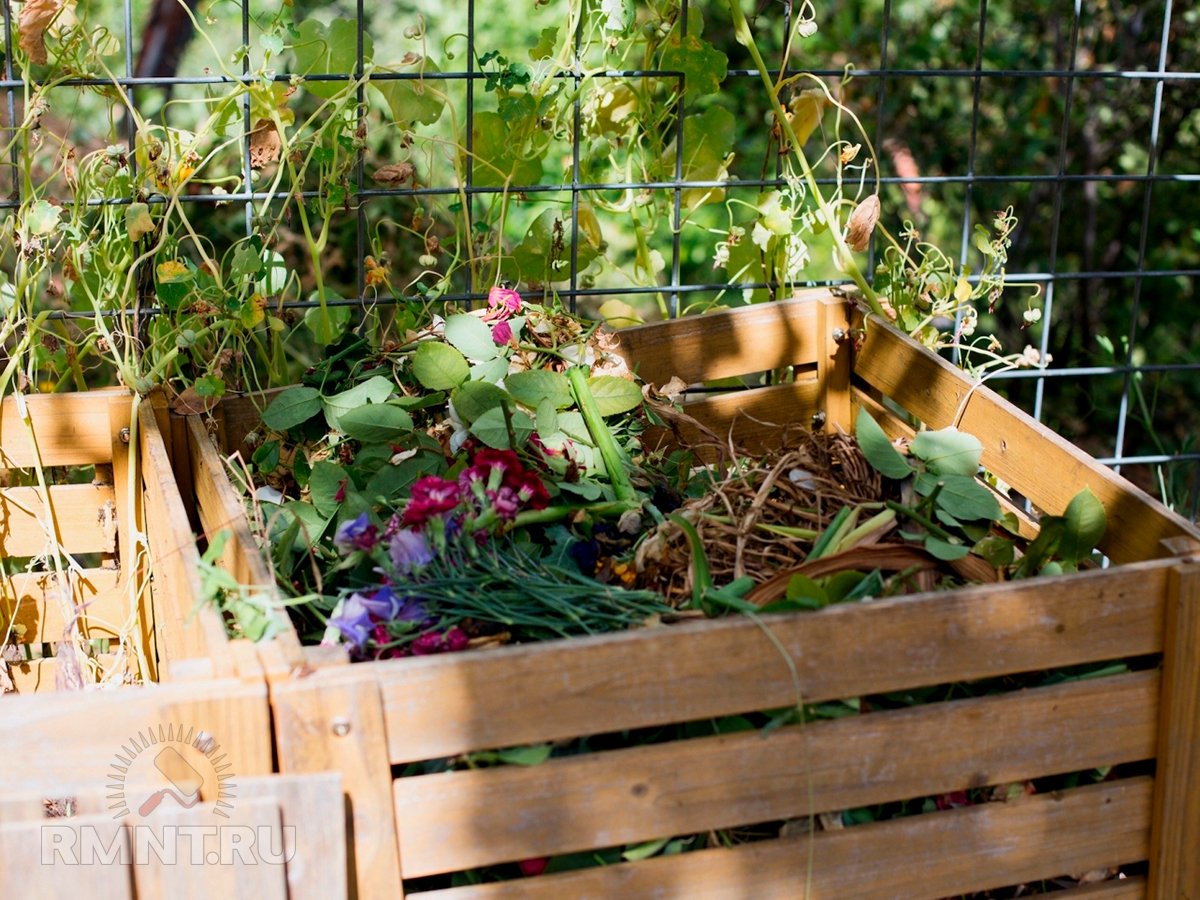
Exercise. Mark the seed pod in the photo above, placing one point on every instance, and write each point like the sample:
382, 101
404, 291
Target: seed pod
862, 223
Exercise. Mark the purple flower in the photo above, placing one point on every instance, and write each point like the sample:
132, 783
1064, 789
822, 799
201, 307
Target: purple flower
361, 612
409, 551
356, 534
354, 622
501, 334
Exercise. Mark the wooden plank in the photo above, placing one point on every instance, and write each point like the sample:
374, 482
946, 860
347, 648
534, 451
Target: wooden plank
460, 820
30, 601
1043, 466
185, 627
239, 416
314, 836
73, 738
71, 429
238, 727
50, 860
84, 518
205, 862
919, 858
725, 343
755, 417
221, 508
453, 703
340, 728
1133, 888
894, 427
1174, 862
833, 363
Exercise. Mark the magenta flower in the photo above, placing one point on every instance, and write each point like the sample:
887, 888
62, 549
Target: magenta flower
503, 303
502, 333
452, 641
409, 551
506, 502
431, 496
356, 534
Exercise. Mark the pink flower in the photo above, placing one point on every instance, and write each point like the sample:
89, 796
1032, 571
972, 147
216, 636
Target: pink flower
534, 866
506, 502
503, 303
431, 496
501, 333
452, 641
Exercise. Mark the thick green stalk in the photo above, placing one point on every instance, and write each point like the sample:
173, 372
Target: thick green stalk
845, 256
609, 451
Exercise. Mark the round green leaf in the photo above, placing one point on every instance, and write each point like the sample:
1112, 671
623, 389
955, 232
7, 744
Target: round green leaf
614, 395
531, 387
472, 336
376, 423
474, 398
948, 451
492, 429
439, 366
961, 496
878, 450
375, 389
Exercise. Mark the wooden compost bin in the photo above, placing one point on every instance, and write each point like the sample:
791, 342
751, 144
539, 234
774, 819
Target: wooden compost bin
181, 681
365, 720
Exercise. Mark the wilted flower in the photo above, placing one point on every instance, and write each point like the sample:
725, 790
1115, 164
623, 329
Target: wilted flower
409, 551
862, 223
502, 333
503, 303
356, 534
452, 641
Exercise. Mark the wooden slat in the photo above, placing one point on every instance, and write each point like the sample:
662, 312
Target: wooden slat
33, 597
71, 429
40, 675
460, 820
339, 728
725, 343
314, 838
184, 628
84, 517
756, 416
1043, 466
919, 858
68, 872
221, 508
214, 870
453, 703
1175, 862
237, 417
1117, 889
73, 737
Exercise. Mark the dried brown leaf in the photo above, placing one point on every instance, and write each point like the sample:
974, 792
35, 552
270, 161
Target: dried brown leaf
395, 174
862, 223
265, 144
35, 18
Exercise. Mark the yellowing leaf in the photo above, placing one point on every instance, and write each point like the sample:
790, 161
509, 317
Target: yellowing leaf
619, 314
807, 108
962, 290
138, 221
172, 271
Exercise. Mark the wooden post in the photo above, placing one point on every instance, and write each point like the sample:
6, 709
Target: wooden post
1175, 826
834, 363
323, 726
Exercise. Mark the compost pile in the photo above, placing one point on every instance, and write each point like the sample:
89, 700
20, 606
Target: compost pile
501, 476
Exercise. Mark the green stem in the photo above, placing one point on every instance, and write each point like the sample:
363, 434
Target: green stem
605, 443
745, 37
558, 513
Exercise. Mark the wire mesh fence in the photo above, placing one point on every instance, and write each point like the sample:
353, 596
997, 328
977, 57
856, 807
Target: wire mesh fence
1085, 117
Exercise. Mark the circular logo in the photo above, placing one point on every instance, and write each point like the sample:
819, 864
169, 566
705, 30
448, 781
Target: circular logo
169, 765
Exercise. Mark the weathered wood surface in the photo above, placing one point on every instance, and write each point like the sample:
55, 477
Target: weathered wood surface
919, 858
443, 705
1175, 856
31, 601
72, 429
83, 517
1040, 464
460, 820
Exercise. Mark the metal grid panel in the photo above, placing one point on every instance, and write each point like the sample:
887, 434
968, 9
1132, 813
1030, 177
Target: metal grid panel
889, 89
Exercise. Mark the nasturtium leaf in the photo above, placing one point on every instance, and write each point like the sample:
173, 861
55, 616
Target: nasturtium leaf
531, 387
474, 398
948, 451
546, 44
703, 66
498, 156
614, 395
327, 486
944, 549
961, 496
1085, 523
547, 242
439, 366
707, 141
413, 100
878, 449
472, 336
42, 217
375, 389
327, 325
138, 221
210, 386
492, 429
328, 50
291, 408
274, 274
376, 423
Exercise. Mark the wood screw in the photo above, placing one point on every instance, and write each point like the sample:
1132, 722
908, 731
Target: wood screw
124, 435
340, 726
